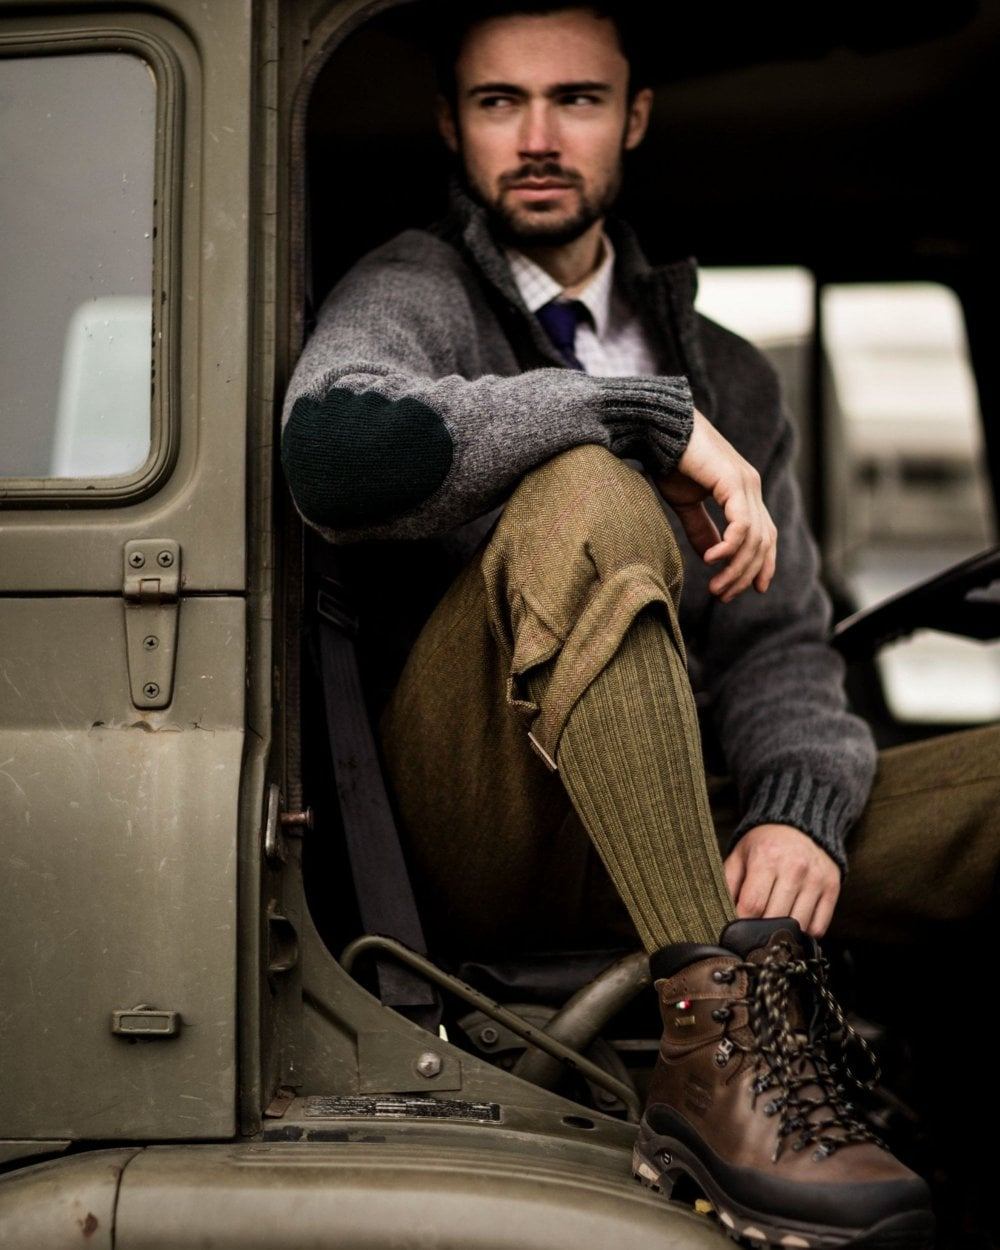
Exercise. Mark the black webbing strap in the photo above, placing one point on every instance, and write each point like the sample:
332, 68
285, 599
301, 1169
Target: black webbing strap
381, 879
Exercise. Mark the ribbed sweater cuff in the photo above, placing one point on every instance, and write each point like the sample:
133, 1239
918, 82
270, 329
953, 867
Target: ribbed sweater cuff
818, 808
657, 411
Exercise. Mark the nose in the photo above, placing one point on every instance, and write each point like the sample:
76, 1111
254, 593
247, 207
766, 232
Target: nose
539, 137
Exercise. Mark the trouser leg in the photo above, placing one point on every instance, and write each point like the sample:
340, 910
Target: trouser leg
925, 854
583, 549
926, 851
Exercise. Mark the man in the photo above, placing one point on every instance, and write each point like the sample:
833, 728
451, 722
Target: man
516, 357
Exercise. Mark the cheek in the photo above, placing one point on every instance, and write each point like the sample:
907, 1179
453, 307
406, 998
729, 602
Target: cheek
595, 151
489, 149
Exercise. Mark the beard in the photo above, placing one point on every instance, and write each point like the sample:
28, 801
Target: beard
541, 225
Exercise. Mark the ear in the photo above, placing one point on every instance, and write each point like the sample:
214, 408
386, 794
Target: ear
446, 122
637, 122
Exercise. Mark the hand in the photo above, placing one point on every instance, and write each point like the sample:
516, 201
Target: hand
777, 870
711, 465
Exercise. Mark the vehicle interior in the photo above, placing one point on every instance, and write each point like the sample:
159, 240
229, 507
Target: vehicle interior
836, 196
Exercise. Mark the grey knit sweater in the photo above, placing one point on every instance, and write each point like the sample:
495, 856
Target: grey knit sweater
428, 390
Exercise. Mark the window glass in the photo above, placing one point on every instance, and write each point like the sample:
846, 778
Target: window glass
907, 479
773, 307
77, 143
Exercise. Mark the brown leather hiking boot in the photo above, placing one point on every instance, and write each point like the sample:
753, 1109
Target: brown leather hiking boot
748, 1099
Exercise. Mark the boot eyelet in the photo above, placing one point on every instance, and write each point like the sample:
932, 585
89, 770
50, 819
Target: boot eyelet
721, 1013
724, 1052
722, 976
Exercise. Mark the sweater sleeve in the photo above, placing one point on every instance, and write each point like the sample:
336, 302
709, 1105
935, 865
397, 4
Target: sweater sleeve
798, 756
390, 429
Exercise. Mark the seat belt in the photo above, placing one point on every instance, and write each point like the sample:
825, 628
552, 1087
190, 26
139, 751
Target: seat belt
381, 880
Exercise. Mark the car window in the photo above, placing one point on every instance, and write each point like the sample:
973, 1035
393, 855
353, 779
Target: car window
773, 307
907, 479
77, 157
905, 486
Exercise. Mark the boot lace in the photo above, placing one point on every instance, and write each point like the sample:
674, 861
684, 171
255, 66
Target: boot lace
788, 1061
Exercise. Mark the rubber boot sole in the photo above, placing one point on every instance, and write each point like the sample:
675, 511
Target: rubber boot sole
659, 1162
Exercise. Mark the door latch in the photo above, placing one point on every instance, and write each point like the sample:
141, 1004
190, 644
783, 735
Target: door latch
151, 589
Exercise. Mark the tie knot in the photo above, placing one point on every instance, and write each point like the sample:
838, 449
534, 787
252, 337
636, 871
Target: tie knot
559, 319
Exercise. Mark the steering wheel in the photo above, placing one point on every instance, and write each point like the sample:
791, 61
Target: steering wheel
963, 600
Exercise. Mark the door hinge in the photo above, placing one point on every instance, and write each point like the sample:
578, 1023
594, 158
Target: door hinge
151, 589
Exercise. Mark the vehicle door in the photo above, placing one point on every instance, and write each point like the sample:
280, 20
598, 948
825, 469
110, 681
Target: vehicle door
123, 399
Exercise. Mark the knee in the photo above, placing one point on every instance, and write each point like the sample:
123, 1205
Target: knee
584, 538
572, 474
586, 507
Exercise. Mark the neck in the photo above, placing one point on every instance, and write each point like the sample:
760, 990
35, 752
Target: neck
570, 264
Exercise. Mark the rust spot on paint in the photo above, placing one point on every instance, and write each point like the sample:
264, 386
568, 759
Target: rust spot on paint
89, 1225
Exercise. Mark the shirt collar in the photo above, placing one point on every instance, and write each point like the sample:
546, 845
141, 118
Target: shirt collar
538, 288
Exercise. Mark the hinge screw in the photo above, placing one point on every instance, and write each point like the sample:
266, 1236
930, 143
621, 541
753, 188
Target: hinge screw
151, 642
137, 559
151, 690
429, 1064
165, 559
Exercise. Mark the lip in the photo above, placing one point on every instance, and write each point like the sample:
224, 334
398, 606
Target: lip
540, 190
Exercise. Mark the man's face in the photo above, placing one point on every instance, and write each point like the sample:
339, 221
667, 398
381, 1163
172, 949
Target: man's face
541, 120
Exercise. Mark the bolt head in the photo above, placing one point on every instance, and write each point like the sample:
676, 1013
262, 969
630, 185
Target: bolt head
489, 1035
137, 559
165, 559
429, 1064
151, 690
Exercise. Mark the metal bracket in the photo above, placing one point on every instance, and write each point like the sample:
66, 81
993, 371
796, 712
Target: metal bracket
275, 851
151, 582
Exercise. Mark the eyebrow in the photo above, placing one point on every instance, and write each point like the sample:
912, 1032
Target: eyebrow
560, 88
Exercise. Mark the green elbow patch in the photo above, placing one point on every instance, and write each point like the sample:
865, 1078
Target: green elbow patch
363, 459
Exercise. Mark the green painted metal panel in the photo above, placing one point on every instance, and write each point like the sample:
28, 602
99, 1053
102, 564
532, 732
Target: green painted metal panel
119, 858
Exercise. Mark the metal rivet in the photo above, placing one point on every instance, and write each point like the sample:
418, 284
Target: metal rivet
151, 642
137, 559
297, 820
165, 559
151, 690
429, 1064
489, 1035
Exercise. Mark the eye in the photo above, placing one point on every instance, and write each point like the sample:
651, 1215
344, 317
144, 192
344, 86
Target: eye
496, 102
580, 99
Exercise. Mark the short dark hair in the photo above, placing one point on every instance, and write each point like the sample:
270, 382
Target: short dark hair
453, 21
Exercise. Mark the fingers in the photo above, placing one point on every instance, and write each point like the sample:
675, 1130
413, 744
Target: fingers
749, 542
783, 873
823, 914
756, 887
701, 530
735, 870
751, 552
764, 578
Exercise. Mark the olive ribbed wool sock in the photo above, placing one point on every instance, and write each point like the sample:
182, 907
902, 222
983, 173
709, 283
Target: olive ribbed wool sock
630, 759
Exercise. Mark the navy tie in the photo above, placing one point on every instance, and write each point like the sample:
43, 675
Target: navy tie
559, 319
